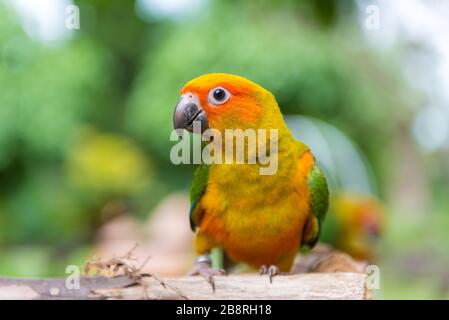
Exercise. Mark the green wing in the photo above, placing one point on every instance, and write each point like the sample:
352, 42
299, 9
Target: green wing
197, 190
319, 203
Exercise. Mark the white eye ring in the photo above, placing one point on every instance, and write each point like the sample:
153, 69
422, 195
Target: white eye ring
218, 95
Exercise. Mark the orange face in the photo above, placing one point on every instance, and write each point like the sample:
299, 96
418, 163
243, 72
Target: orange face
222, 101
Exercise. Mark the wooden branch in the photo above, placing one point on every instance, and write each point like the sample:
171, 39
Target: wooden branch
245, 286
322, 274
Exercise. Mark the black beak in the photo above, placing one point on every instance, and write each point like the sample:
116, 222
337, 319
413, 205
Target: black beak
190, 116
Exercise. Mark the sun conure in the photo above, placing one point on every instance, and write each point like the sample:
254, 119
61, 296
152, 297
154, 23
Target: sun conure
260, 220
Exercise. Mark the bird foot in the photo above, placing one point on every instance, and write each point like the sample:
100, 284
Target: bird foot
271, 271
204, 269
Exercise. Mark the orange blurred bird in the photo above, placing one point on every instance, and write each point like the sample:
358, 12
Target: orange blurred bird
354, 225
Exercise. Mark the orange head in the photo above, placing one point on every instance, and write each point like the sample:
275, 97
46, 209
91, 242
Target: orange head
225, 101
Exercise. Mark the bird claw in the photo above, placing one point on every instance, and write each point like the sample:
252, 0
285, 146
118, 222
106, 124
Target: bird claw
271, 271
207, 272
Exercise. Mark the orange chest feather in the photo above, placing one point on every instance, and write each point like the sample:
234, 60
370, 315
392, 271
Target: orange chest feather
260, 219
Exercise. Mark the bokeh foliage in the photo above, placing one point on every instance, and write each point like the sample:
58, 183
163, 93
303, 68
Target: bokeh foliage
85, 124
49, 96
311, 71
69, 113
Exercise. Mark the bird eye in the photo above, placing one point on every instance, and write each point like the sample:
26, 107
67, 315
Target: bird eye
218, 96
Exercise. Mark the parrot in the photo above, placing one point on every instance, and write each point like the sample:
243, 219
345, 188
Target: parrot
258, 220
354, 225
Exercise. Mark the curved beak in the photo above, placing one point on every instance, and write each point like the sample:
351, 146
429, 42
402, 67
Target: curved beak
189, 115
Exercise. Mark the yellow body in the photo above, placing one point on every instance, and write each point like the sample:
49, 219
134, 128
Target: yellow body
234, 219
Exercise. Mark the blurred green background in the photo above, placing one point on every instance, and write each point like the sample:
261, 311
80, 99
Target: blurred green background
85, 115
